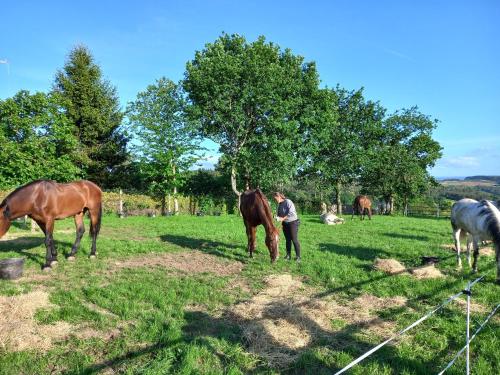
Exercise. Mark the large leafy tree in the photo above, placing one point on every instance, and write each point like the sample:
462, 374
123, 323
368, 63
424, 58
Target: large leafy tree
167, 144
92, 106
249, 98
398, 165
36, 140
343, 128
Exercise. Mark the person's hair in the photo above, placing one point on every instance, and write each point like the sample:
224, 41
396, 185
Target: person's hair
278, 194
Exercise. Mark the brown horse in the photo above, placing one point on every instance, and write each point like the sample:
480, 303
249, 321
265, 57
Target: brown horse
45, 201
255, 211
361, 205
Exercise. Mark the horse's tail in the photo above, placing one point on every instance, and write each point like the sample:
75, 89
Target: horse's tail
493, 222
94, 229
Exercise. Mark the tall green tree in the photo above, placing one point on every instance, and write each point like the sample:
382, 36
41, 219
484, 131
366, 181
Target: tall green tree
36, 140
343, 127
398, 165
249, 98
92, 106
167, 144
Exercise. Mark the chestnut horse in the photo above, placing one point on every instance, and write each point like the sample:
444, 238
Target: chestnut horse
45, 201
255, 210
361, 205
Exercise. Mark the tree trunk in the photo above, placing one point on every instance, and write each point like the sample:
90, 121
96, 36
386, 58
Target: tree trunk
163, 203
176, 201
233, 186
339, 202
392, 205
169, 204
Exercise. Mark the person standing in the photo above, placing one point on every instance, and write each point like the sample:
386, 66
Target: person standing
290, 221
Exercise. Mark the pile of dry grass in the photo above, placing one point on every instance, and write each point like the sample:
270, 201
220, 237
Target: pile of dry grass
285, 318
426, 272
20, 331
390, 266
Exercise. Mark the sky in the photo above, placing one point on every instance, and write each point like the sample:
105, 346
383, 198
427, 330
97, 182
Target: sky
442, 56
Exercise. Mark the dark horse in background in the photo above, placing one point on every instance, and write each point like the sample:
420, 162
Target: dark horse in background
255, 210
361, 205
46, 201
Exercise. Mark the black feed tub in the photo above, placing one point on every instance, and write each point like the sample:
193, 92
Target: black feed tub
11, 268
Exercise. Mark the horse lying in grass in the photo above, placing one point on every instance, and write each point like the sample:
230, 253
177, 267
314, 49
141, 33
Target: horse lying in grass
482, 221
255, 210
46, 201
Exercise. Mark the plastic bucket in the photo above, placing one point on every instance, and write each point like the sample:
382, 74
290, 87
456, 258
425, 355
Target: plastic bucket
11, 268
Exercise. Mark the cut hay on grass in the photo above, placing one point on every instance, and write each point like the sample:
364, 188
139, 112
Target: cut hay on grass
390, 266
285, 318
426, 272
393, 267
191, 261
20, 331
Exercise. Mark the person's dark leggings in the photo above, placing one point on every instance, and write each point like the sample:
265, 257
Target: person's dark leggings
290, 231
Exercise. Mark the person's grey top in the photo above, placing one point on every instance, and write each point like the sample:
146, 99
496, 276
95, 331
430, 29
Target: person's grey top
287, 208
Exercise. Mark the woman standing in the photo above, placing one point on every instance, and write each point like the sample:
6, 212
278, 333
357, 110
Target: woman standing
288, 216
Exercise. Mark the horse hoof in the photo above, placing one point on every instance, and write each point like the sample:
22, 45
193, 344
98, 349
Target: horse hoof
92, 257
46, 269
71, 258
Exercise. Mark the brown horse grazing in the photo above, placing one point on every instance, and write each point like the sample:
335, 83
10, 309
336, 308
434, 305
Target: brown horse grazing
255, 211
361, 205
45, 201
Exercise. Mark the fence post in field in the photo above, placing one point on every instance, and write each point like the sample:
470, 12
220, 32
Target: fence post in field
120, 206
33, 226
467, 355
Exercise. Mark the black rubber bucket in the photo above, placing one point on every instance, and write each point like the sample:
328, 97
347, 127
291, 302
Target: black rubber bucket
11, 268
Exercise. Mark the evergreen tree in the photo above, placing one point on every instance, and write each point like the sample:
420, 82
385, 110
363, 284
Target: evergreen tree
92, 106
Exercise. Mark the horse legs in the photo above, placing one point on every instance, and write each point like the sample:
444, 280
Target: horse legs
251, 239
95, 223
497, 253
80, 230
456, 237
470, 243
475, 242
369, 213
51, 255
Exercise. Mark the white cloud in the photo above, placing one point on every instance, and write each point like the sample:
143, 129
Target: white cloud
460, 161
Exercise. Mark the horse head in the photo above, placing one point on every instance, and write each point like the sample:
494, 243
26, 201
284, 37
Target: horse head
272, 243
4, 219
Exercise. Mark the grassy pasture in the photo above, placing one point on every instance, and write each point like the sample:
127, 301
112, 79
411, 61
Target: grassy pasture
152, 318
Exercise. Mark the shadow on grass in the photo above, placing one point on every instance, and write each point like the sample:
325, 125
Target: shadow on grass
411, 237
200, 329
21, 245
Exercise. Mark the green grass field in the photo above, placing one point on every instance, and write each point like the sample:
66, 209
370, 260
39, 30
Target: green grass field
164, 294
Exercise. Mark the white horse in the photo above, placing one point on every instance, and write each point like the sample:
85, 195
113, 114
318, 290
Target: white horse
481, 220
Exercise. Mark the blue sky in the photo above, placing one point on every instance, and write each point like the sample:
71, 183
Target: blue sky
442, 56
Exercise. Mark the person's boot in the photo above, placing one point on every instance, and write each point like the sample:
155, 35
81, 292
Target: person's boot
288, 257
297, 259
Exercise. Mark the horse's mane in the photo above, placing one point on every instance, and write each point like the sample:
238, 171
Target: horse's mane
17, 190
265, 205
492, 220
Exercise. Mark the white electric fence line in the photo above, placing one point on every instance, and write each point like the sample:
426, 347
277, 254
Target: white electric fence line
359, 359
472, 338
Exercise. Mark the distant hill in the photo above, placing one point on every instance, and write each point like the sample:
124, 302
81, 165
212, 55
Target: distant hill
475, 187
495, 179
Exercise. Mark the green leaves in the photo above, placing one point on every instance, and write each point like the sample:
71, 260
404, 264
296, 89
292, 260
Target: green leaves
248, 98
36, 140
167, 144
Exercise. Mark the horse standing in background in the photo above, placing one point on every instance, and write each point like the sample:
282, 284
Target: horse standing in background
361, 205
481, 220
46, 201
255, 210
